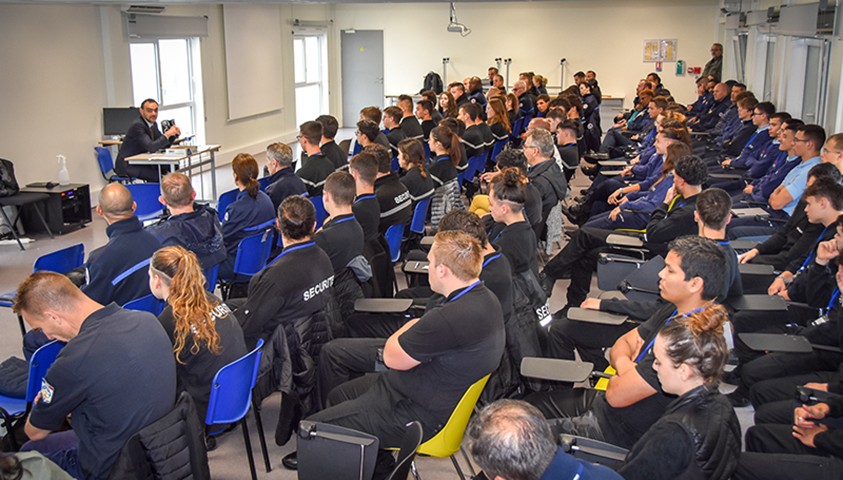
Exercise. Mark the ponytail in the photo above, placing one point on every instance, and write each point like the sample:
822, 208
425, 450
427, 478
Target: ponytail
188, 299
246, 172
450, 141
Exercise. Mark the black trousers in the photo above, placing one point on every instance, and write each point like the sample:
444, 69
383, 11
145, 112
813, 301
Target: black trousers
772, 453
345, 359
589, 339
779, 365
775, 399
579, 258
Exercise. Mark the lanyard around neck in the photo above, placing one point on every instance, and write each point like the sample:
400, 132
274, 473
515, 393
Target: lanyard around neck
292, 249
467, 289
672, 317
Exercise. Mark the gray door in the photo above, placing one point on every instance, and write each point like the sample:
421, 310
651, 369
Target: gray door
362, 73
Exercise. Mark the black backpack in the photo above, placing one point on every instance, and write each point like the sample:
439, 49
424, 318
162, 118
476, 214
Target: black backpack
8, 182
432, 81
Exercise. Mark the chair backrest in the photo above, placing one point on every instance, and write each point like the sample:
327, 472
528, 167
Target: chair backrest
253, 253
409, 444
61, 261
261, 226
475, 164
394, 234
129, 271
497, 148
419, 216
211, 276
224, 201
41, 361
518, 127
448, 440
321, 213
395, 166
105, 162
345, 146
147, 303
263, 182
426, 150
231, 390
146, 196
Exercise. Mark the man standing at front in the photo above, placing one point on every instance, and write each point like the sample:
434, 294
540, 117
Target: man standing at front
432, 360
115, 376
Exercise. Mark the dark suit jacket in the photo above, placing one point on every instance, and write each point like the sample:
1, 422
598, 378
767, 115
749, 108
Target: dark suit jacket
140, 139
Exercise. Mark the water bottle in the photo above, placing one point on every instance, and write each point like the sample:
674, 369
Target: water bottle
64, 175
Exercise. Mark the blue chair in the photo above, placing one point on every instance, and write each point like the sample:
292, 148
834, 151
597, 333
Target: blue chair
321, 214
224, 201
146, 196
263, 182
394, 234
60, 261
426, 150
211, 276
231, 399
517, 129
106, 164
14, 409
475, 164
497, 148
395, 166
252, 254
419, 216
147, 303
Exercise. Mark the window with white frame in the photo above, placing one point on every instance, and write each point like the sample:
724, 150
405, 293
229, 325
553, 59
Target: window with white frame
311, 77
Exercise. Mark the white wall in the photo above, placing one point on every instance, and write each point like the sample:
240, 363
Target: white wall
62, 63
601, 35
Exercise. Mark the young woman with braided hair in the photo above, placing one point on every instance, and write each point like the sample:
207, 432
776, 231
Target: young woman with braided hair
205, 334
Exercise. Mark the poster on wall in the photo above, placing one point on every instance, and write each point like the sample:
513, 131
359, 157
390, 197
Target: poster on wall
660, 50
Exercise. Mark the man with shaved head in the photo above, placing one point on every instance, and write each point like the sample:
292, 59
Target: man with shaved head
128, 246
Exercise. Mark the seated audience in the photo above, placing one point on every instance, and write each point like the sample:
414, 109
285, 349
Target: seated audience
511, 440
447, 105
435, 115
97, 378
478, 136
392, 127
194, 226
409, 124
497, 119
316, 167
251, 208
328, 146
283, 180
364, 168
445, 147
128, 245
424, 112
204, 333
544, 173
512, 234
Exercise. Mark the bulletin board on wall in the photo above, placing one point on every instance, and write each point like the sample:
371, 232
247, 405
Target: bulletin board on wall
660, 50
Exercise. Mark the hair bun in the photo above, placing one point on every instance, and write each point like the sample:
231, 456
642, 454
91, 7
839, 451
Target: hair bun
709, 320
512, 177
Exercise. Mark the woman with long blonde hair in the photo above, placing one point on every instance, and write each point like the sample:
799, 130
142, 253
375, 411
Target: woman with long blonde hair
205, 334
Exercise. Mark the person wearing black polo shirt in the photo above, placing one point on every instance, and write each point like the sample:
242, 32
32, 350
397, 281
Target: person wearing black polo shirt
566, 144
392, 125
328, 146
341, 237
374, 115
431, 360
409, 124
431, 97
507, 196
115, 376
424, 112
364, 168
283, 180
457, 90
694, 275
128, 245
316, 167
673, 218
478, 136
416, 178
295, 284
396, 207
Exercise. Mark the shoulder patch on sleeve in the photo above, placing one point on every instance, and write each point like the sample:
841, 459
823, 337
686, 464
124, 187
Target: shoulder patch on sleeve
46, 392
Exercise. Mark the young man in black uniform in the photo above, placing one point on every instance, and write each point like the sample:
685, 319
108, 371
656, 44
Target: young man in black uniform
566, 141
392, 123
341, 237
409, 124
364, 168
374, 115
457, 90
194, 226
295, 284
694, 275
445, 351
431, 97
393, 197
316, 167
478, 136
283, 180
115, 376
144, 137
424, 109
674, 218
329, 147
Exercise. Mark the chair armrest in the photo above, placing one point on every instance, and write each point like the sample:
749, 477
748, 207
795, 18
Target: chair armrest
700, 134
616, 239
612, 295
751, 203
556, 369
595, 316
726, 176
596, 156
605, 258
766, 303
611, 173
583, 448
755, 269
613, 163
776, 342
414, 267
750, 212
426, 241
382, 305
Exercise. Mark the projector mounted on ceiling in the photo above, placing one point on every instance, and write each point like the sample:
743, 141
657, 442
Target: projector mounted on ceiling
455, 26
